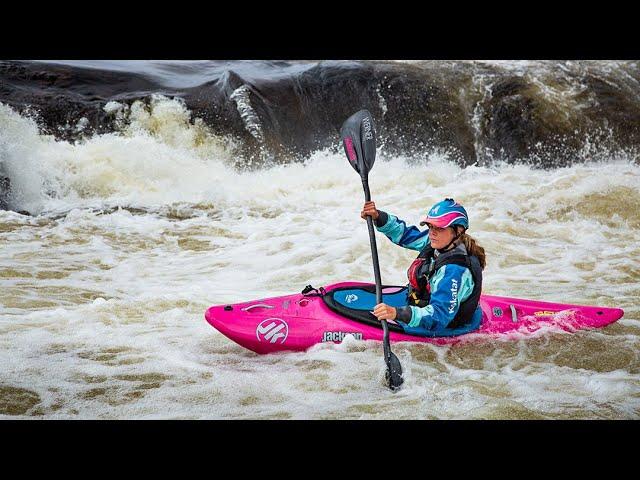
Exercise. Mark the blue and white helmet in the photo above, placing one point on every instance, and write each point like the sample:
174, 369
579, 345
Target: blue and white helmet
447, 213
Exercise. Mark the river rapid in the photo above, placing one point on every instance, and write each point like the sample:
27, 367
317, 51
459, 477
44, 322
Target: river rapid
134, 233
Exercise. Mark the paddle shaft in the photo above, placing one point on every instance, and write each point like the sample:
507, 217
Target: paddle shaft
376, 267
359, 141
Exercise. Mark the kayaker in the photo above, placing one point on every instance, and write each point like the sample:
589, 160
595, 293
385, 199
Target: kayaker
445, 280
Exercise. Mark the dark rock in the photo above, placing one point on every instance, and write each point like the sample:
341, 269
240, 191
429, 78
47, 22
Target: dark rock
475, 112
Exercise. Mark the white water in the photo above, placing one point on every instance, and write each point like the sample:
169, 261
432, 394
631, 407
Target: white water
102, 294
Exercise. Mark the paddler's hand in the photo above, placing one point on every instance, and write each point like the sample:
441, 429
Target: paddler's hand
385, 312
369, 209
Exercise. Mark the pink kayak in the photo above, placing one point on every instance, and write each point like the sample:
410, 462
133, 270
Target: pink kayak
299, 321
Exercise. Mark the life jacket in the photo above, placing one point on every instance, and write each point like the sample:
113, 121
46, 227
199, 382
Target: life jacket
423, 269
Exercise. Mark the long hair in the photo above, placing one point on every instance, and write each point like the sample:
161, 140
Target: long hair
473, 248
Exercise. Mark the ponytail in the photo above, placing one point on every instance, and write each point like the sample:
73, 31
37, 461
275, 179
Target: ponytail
474, 249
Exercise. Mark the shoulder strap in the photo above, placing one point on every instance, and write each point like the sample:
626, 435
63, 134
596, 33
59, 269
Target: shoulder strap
454, 256
426, 253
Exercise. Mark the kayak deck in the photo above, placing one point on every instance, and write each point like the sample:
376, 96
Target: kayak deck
297, 322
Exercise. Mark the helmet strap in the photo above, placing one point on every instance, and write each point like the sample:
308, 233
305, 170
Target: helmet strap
456, 237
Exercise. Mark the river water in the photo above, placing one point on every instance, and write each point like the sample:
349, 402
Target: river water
137, 232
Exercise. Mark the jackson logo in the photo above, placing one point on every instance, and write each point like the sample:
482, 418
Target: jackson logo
544, 313
351, 298
339, 336
366, 123
272, 330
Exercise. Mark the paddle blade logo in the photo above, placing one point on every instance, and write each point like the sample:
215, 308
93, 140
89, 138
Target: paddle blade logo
368, 132
272, 330
351, 152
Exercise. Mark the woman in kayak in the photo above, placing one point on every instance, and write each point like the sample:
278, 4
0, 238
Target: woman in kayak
445, 280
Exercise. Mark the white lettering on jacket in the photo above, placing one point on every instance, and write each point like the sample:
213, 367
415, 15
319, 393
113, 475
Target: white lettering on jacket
454, 295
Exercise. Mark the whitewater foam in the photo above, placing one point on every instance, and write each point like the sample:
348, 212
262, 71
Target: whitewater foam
102, 295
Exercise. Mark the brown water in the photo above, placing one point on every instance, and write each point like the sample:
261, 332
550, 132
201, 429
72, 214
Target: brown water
102, 295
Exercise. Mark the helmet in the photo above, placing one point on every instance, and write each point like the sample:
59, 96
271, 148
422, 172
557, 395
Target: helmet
446, 214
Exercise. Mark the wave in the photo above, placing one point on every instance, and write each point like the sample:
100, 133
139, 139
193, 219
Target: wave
158, 148
158, 155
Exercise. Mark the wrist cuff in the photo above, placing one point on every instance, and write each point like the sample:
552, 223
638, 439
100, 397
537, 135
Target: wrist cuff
382, 219
403, 314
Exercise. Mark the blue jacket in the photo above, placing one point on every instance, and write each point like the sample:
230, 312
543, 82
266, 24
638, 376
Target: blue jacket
450, 285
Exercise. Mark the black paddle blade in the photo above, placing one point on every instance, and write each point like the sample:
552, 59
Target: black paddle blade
393, 375
358, 135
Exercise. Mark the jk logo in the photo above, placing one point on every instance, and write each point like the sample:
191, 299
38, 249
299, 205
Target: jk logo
272, 330
351, 298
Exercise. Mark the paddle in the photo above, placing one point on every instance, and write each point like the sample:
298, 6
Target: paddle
359, 139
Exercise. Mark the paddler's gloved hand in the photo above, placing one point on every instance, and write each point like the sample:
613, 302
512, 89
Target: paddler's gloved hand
379, 217
384, 312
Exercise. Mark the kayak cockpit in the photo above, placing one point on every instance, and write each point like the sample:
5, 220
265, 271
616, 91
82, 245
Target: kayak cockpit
357, 302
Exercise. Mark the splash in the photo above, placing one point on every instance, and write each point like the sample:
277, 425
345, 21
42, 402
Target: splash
158, 155
242, 97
